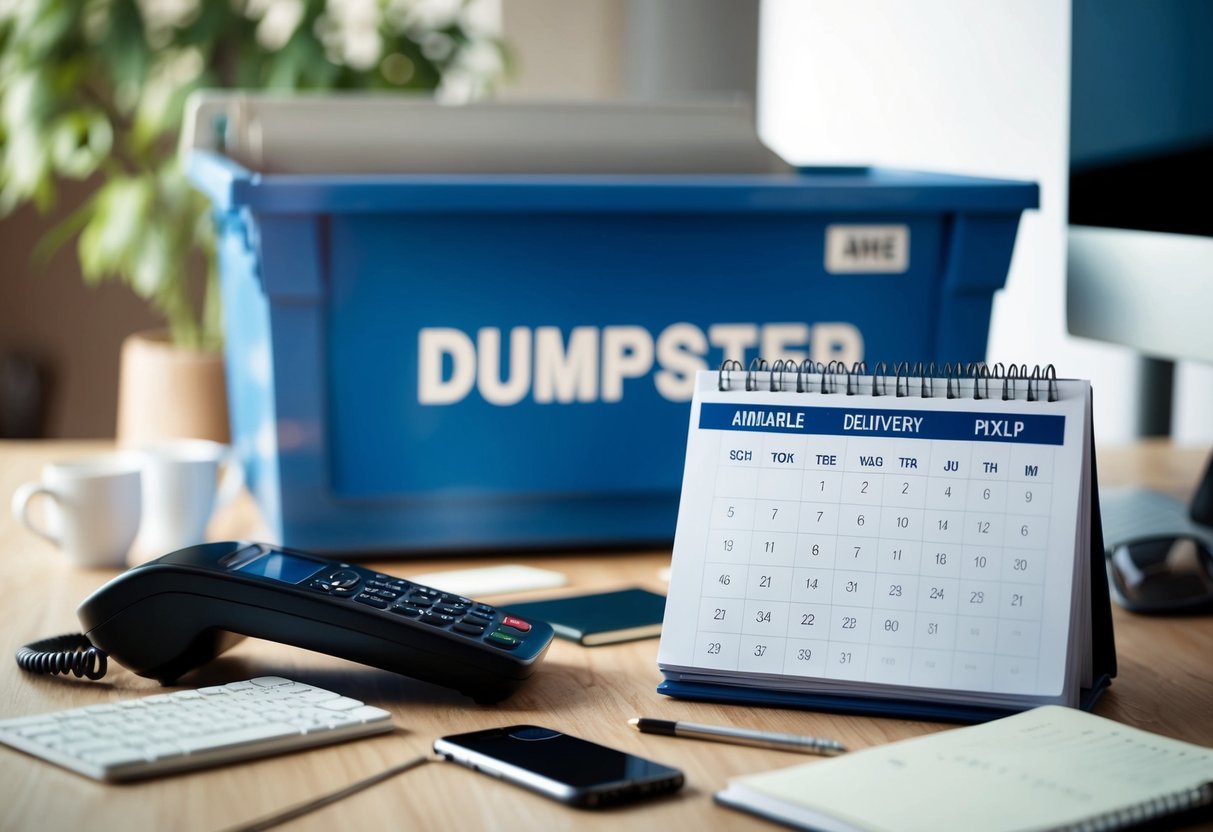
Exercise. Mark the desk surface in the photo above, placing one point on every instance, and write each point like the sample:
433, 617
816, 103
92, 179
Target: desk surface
1165, 685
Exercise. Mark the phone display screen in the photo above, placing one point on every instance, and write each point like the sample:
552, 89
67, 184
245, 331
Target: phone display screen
279, 566
556, 756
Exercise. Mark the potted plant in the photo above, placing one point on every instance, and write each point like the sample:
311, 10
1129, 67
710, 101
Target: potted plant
94, 90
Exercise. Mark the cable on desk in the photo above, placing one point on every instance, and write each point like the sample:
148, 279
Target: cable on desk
270, 821
63, 654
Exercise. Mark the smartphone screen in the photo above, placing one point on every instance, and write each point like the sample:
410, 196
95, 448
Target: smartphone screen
569, 769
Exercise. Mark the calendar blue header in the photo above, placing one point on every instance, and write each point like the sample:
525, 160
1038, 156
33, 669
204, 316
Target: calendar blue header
1023, 428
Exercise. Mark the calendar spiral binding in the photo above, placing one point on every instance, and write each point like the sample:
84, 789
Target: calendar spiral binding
1153, 809
835, 377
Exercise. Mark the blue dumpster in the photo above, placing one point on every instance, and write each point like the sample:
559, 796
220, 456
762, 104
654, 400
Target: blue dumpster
454, 361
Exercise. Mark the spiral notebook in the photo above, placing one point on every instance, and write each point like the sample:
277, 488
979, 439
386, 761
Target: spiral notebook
916, 544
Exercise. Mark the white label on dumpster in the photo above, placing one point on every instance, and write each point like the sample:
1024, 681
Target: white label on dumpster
882, 249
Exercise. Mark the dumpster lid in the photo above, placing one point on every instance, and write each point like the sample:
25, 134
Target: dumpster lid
397, 134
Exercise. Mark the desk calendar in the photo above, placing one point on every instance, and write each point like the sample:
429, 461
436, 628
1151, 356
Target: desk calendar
903, 545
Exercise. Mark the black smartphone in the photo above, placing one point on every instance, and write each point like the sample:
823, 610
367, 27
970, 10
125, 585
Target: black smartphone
571, 770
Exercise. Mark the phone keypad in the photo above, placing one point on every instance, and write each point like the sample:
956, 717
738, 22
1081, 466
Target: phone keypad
431, 606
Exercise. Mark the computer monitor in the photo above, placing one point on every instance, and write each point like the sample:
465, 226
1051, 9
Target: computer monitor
1140, 261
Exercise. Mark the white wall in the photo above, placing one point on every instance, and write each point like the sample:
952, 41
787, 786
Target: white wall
564, 50
975, 88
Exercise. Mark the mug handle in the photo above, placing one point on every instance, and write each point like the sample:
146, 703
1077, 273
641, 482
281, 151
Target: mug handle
21, 500
232, 480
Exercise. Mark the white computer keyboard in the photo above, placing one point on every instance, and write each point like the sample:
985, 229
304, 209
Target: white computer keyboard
190, 729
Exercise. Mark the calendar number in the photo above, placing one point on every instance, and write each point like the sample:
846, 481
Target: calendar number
804, 654
983, 526
732, 511
1020, 565
763, 616
713, 648
980, 561
852, 586
728, 544
895, 590
1027, 496
977, 597
810, 583
936, 593
941, 558
760, 649
719, 614
764, 581
725, 580
1016, 600
891, 625
844, 657
849, 622
932, 628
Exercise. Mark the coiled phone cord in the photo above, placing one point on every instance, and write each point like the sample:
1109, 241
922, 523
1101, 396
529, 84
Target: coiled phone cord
64, 654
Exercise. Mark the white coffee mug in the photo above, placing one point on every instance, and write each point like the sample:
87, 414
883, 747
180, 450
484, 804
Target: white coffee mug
92, 507
185, 481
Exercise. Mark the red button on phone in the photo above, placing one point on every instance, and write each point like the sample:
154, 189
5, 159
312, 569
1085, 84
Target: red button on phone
516, 623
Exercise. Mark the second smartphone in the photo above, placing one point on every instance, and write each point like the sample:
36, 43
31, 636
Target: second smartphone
571, 770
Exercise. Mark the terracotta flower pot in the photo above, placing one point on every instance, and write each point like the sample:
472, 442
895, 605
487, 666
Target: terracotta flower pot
166, 392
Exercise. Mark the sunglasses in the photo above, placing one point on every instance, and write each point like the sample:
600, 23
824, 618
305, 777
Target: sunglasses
1168, 574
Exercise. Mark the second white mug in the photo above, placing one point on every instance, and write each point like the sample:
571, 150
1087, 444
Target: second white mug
92, 507
185, 481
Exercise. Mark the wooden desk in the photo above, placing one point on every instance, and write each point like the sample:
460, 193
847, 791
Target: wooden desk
1165, 685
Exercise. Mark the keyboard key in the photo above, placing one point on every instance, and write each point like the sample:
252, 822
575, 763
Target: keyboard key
240, 736
117, 756
366, 713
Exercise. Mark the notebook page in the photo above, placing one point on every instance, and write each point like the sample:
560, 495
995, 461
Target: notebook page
1046, 767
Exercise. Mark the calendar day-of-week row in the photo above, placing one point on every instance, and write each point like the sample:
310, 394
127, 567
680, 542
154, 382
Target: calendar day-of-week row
862, 456
1027, 428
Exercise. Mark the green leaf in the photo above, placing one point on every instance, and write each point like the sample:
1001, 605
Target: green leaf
109, 242
153, 275
79, 142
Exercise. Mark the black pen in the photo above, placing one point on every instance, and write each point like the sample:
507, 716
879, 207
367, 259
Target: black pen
738, 736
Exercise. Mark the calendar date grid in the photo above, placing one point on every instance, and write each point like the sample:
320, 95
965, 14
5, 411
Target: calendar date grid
903, 561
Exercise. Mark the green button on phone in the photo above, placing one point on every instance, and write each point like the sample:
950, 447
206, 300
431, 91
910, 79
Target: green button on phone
502, 639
